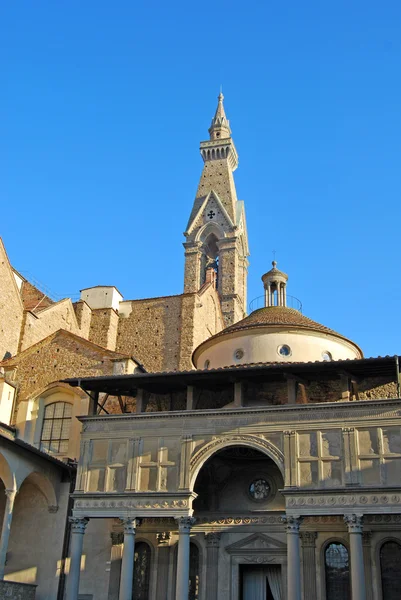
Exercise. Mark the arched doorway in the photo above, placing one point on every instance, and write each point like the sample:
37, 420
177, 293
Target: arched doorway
234, 486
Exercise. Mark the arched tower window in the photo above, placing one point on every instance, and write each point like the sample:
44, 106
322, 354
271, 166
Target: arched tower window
140, 589
193, 572
56, 428
210, 257
390, 567
336, 564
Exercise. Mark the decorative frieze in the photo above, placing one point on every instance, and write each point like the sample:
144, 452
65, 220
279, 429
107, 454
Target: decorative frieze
343, 500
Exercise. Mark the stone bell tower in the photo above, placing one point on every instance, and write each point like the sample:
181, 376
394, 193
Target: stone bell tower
216, 235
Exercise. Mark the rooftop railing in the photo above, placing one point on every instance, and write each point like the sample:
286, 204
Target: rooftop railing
259, 302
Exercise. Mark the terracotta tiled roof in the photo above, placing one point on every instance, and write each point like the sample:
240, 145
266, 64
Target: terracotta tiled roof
277, 316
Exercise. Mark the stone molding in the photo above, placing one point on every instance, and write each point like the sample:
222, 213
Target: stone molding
292, 523
185, 524
53, 509
257, 442
355, 411
354, 523
78, 524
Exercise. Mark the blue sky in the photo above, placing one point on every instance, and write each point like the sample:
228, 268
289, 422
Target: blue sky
103, 107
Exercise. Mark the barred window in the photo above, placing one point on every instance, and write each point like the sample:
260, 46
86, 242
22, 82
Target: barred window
140, 590
56, 428
390, 566
336, 564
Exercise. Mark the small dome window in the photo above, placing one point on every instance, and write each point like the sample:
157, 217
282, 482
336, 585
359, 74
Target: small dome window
207, 364
238, 354
327, 356
284, 350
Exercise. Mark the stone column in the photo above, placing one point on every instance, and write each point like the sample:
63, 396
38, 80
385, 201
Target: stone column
127, 565
308, 540
354, 524
293, 557
182, 586
212, 564
366, 541
5, 532
163, 556
78, 527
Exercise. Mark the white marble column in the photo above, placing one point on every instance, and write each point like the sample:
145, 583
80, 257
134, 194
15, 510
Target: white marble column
5, 532
355, 527
78, 527
293, 557
182, 585
127, 565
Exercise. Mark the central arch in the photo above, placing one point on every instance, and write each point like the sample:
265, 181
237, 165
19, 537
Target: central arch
217, 444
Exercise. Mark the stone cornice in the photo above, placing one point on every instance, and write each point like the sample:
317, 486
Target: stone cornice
297, 412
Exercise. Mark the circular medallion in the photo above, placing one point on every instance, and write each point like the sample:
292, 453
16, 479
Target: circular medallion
259, 490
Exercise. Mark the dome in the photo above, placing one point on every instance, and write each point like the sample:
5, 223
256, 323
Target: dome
275, 333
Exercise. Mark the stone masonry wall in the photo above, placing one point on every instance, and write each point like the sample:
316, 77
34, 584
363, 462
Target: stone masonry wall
151, 332
57, 316
83, 314
11, 308
64, 356
104, 327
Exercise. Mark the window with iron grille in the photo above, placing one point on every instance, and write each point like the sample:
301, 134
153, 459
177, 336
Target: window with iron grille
336, 564
56, 428
140, 589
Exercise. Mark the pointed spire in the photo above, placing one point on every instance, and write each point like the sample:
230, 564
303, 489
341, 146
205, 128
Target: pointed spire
220, 127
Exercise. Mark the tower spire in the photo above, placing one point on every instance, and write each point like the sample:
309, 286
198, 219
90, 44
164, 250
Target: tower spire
220, 127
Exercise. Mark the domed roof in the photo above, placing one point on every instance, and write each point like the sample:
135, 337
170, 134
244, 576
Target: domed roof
277, 316
268, 320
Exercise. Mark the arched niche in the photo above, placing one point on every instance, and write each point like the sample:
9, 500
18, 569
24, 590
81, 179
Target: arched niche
248, 441
44, 485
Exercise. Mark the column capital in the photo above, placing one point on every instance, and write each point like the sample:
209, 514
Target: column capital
185, 524
117, 538
308, 539
213, 539
292, 524
354, 523
163, 538
10, 494
78, 524
130, 524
